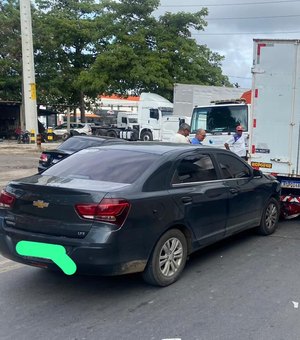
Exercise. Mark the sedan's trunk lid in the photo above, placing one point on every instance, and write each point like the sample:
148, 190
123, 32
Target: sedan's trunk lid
46, 204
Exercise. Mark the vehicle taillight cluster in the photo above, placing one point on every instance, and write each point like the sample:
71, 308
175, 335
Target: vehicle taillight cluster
111, 210
6, 200
44, 157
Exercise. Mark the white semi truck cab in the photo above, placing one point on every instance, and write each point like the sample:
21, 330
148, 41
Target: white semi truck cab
154, 120
220, 120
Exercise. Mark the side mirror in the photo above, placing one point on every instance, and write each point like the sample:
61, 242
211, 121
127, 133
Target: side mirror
257, 173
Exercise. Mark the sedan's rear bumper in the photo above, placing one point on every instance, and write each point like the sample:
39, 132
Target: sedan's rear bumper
90, 256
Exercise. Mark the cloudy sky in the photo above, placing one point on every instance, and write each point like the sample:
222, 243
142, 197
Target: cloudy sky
233, 24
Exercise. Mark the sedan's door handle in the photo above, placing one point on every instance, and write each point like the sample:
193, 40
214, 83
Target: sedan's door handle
186, 199
234, 191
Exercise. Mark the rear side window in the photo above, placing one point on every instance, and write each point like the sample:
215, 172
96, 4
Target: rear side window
232, 167
108, 165
157, 181
76, 144
194, 169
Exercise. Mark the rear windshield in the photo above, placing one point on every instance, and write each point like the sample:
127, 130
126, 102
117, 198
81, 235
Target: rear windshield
118, 166
76, 144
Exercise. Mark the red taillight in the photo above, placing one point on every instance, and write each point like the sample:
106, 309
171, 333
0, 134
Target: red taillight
6, 200
111, 210
44, 157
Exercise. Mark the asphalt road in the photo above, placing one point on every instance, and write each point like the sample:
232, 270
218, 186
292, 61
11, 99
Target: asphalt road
245, 287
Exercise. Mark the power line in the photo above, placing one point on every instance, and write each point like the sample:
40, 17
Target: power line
233, 4
245, 33
265, 17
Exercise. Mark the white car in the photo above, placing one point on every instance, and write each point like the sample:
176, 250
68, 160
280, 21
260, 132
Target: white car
81, 128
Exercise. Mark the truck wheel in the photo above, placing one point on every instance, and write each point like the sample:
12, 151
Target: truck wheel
146, 136
101, 132
269, 219
167, 259
112, 133
135, 135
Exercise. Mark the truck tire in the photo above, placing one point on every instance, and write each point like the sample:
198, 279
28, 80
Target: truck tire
101, 132
135, 135
112, 133
146, 136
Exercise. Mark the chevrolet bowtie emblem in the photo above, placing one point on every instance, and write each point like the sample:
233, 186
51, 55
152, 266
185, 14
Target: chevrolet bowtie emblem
40, 204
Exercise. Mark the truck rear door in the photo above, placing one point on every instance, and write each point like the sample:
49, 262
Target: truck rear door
275, 107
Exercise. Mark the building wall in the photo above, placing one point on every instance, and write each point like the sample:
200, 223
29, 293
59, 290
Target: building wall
9, 119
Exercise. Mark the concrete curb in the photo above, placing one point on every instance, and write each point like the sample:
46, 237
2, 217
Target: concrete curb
13, 147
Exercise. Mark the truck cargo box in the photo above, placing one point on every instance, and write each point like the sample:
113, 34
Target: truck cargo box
275, 111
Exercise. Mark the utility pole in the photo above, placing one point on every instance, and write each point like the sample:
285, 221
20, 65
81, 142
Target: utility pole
29, 86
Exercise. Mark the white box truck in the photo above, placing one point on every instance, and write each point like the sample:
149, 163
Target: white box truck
275, 115
187, 96
216, 109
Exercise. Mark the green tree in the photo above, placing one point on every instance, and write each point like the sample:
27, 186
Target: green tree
83, 48
10, 51
149, 54
66, 34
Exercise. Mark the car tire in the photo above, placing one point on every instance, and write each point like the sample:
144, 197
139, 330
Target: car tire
167, 260
269, 219
147, 136
74, 133
65, 136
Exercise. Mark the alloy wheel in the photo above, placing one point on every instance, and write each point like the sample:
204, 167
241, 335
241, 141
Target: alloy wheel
271, 215
170, 257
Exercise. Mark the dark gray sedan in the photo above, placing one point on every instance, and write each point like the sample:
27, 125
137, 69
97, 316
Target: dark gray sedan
136, 207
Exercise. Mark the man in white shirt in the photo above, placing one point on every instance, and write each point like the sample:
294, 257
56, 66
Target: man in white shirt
182, 134
236, 143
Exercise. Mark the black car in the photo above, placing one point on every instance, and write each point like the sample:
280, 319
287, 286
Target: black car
71, 145
139, 207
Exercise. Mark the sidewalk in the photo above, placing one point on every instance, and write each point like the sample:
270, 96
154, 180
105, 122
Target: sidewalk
11, 146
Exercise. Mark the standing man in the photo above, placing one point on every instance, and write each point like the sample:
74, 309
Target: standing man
182, 134
236, 143
199, 137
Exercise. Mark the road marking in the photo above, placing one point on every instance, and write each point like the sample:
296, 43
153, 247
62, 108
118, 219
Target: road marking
7, 265
4, 261
11, 267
